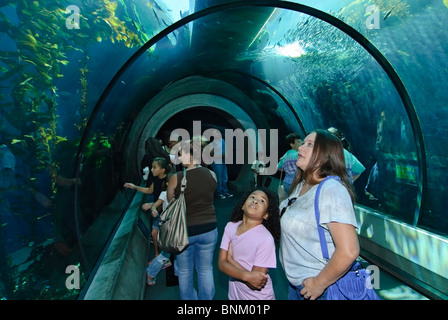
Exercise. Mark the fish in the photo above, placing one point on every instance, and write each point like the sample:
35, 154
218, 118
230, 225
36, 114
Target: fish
29, 61
26, 81
28, 136
31, 39
390, 11
44, 216
14, 141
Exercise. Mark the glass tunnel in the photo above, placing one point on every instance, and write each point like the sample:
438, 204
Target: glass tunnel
83, 84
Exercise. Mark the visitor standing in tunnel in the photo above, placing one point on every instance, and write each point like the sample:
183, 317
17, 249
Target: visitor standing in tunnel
247, 250
153, 149
308, 273
160, 168
201, 222
161, 261
287, 163
353, 165
169, 140
219, 165
375, 182
258, 168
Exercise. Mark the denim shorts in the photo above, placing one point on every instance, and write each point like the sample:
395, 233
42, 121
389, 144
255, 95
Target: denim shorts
155, 223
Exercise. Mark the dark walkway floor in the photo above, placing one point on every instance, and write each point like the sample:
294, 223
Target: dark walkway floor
390, 288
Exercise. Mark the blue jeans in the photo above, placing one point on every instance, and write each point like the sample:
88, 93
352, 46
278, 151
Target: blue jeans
157, 264
197, 256
220, 169
294, 293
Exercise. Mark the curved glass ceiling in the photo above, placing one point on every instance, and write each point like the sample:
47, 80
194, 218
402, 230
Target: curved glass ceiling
326, 77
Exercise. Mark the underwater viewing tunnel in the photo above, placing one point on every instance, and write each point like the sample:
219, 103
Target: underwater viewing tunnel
83, 84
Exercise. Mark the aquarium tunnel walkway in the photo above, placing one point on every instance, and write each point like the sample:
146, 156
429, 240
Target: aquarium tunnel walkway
210, 99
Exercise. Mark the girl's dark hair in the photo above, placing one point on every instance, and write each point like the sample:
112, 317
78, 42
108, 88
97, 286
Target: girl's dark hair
327, 160
272, 223
163, 163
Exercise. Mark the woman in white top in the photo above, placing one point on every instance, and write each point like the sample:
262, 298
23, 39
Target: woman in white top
309, 274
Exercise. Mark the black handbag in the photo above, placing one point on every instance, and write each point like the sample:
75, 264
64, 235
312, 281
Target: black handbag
355, 284
173, 231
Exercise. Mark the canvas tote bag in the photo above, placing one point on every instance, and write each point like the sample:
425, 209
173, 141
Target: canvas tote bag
173, 232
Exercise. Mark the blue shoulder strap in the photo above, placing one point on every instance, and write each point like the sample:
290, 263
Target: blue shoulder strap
320, 229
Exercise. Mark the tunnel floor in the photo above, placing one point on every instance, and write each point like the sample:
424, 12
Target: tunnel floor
390, 287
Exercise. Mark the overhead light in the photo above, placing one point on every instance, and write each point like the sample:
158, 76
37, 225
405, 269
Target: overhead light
293, 50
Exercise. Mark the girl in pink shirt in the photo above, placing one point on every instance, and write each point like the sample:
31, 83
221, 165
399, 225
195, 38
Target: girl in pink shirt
247, 248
